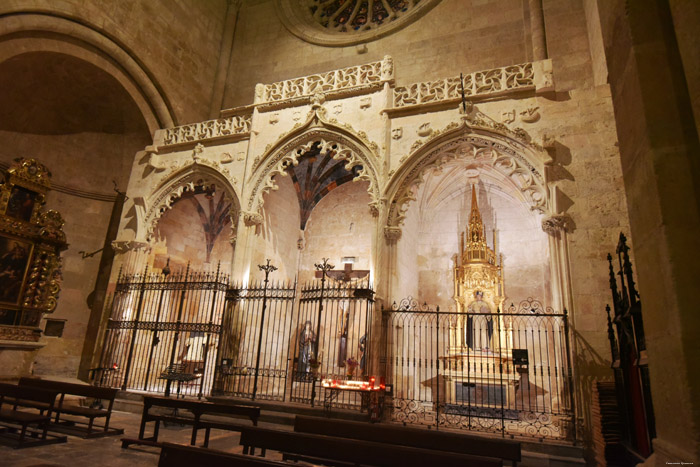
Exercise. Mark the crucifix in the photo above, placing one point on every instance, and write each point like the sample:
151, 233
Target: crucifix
347, 274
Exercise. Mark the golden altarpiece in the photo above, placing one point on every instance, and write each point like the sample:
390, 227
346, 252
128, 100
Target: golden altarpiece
31, 241
477, 339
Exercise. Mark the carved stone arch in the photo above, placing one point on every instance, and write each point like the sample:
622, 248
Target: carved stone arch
31, 31
523, 164
181, 181
287, 152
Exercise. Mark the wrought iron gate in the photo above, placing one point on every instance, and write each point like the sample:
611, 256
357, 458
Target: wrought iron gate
253, 356
506, 373
164, 325
271, 349
331, 340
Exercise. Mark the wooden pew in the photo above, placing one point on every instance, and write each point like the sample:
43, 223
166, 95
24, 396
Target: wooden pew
32, 426
405, 436
73, 426
177, 455
329, 450
198, 409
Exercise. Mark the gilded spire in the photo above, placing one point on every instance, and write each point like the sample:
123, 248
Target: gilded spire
476, 226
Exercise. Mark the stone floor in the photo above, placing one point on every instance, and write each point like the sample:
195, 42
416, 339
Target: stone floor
107, 451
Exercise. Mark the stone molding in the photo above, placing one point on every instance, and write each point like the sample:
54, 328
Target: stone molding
229, 127
356, 80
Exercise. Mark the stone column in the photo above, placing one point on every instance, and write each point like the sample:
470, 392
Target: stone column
659, 150
217, 92
248, 223
539, 38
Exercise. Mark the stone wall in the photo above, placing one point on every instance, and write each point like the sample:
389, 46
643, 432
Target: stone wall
276, 239
653, 82
340, 225
456, 35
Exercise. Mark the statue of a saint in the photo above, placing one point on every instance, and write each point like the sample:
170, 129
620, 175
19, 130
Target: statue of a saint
307, 341
343, 341
362, 346
479, 329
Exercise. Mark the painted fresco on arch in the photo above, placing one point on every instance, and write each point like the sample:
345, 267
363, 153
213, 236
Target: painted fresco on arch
21, 203
14, 262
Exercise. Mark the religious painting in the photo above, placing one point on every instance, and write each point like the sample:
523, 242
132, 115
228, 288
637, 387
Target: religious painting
21, 203
14, 262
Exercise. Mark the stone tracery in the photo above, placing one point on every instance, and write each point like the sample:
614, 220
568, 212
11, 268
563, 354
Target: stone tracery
528, 180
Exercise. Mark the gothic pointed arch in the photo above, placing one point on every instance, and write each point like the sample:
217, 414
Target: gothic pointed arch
190, 179
326, 137
478, 142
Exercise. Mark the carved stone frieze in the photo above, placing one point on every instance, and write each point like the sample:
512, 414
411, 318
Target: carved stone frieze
556, 223
210, 129
479, 83
359, 79
22, 334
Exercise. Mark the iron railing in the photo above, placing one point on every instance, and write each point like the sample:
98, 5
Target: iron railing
161, 322
505, 372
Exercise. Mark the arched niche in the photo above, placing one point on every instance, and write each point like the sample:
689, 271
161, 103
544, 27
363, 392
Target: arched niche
438, 216
511, 173
195, 178
195, 231
342, 143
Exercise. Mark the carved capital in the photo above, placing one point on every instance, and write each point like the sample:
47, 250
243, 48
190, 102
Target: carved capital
392, 234
556, 223
251, 218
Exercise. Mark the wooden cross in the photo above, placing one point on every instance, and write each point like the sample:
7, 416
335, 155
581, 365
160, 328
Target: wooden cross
346, 275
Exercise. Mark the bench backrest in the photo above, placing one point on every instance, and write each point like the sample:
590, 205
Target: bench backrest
356, 451
29, 394
201, 407
175, 455
404, 436
74, 389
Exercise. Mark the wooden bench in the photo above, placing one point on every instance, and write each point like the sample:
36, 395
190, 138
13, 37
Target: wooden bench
73, 426
329, 450
24, 428
405, 436
177, 455
198, 410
